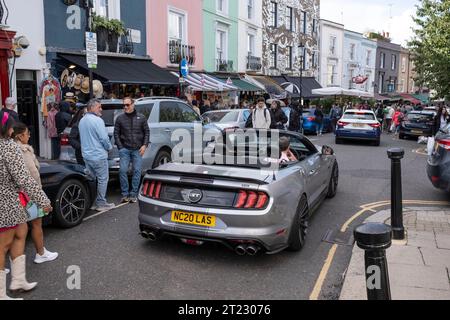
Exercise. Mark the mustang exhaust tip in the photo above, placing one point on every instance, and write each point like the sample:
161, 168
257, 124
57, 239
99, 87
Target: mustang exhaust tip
241, 250
252, 250
149, 235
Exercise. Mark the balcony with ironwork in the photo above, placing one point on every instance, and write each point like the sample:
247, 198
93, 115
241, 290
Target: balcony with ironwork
224, 65
254, 63
4, 14
179, 51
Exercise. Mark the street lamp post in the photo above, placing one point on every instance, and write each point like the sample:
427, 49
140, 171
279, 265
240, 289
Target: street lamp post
88, 5
302, 59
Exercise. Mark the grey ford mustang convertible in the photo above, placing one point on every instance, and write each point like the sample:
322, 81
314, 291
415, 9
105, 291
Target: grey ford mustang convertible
248, 207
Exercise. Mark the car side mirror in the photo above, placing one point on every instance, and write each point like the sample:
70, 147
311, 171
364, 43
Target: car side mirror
206, 121
327, 151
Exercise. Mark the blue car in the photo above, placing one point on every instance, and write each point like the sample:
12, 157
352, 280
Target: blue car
359, 125
309, 121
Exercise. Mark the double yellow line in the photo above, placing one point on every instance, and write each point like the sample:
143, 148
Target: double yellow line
364, 208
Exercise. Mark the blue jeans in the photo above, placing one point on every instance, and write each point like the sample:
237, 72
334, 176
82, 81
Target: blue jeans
319, 127
127, 157
100, 170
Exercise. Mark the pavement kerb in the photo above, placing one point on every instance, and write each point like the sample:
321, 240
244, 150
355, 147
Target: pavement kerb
379, 216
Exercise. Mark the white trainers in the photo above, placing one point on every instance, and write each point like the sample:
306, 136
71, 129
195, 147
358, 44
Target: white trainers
7, 270
46, 257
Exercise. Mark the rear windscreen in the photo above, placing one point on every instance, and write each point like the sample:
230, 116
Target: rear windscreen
358, 116
420, 117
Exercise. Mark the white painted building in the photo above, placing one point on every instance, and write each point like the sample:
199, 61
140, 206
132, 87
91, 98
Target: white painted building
359, 60
250, 36
27, 19
331, 53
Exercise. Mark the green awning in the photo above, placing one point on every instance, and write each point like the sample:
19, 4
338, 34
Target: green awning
422, 97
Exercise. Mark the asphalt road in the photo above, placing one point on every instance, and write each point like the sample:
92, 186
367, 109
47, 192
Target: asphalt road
116, 263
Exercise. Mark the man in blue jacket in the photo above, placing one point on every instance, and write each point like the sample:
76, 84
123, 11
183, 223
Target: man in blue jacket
95, 145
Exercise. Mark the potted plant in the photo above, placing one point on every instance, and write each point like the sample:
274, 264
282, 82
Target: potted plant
116, 29
100, 25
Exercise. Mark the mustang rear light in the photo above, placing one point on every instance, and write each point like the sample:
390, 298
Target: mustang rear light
251, 200
152, 189
444, 143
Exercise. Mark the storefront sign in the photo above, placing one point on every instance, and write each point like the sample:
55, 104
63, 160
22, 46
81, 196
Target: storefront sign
91, 50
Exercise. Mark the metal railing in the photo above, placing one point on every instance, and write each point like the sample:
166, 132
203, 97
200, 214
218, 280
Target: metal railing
4, 12
224, 65
179, 51
254, 63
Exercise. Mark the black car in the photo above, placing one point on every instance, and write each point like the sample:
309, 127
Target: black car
70, 189
439, 162
417, 124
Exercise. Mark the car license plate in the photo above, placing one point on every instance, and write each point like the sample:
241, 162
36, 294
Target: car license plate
358, 125
193, 219
417, 131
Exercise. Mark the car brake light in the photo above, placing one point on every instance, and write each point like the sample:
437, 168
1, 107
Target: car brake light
262, 200
435, 179
158, 190
145, 189
242, 199
64, 141
444, 143
152, 189
251, 200
343, 124
312, 119
375, 125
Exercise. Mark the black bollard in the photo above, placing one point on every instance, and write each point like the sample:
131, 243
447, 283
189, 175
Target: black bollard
375, 238
396, 155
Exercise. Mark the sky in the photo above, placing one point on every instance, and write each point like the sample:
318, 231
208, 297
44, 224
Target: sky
374, 15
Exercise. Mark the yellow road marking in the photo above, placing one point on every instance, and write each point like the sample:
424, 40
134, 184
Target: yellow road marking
366, 207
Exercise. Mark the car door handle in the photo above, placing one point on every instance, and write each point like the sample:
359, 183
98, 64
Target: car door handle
312, 172
168, 130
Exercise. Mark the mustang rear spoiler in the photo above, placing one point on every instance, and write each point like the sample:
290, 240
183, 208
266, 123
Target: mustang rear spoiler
206, 178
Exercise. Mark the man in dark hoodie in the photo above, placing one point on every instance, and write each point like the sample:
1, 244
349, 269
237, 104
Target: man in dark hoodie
132, 137
63, 117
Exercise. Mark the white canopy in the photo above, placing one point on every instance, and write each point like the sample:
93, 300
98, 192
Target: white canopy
338, 91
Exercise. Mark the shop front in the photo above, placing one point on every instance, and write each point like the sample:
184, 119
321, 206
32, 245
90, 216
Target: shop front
6, 43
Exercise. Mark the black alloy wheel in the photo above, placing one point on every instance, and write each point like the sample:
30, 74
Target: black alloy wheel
162, 158
299, 230
72, 204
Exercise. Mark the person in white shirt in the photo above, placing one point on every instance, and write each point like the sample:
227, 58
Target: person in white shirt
261, 117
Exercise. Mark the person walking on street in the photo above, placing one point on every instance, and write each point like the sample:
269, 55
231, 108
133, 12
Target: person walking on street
441, 119
15, 178
10, 107
397, 120
335, 115
74, 135
380, 114
389, 116
294, 117
279, 119
132, 137
95, 145
261, 117
21, 136
63, 117
318, 113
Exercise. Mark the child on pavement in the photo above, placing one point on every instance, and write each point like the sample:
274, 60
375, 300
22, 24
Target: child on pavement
22, 135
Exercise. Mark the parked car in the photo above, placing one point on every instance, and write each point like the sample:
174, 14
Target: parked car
70, 189
359, 125
165, 115
309, 124
228, 119
417, 124
438, 167
246, 207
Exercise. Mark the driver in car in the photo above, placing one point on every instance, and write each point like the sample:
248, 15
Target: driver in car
286, 153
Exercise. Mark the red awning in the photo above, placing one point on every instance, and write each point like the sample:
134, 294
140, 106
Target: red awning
410, 98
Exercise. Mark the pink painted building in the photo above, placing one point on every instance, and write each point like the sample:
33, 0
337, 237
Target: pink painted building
175, 31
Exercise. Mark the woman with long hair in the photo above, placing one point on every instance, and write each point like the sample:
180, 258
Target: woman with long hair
14, 179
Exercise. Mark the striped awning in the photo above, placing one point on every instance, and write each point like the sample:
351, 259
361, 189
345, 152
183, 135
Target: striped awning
203, 82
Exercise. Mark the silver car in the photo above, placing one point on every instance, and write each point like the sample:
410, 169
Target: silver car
227, 119
247, 208
165, 115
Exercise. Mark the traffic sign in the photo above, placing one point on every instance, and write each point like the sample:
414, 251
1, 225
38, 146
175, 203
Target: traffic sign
91, 50
184, 68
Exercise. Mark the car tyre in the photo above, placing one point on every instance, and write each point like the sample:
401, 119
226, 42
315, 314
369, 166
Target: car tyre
163, 157
338, 141
71, 204
401, 136
299, 229
334, 182
377, 143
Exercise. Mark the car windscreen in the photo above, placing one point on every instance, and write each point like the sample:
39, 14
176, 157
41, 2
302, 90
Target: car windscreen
358, 116
111, 112
419, 117
222, 116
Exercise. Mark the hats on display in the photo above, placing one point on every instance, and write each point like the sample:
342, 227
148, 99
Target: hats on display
85, 85
78, 81
70, 96
71, 80
64, 78
97, 88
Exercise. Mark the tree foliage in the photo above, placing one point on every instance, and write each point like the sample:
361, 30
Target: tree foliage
430, 46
